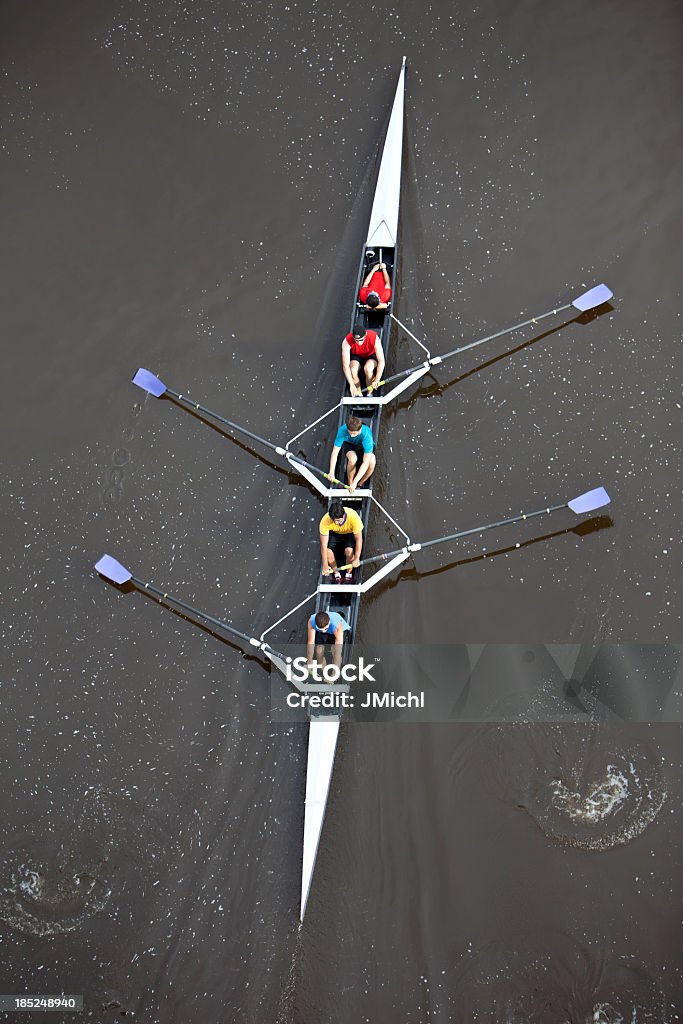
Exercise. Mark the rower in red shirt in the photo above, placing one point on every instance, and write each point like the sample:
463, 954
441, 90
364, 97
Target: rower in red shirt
376, 290
362, 351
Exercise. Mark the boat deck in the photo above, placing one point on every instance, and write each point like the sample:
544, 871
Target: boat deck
348, 604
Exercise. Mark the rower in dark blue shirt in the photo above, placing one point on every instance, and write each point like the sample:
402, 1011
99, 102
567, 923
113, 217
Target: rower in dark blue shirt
358, 443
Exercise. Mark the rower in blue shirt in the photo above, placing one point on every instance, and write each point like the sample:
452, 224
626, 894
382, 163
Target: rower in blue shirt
324, 629
357, 440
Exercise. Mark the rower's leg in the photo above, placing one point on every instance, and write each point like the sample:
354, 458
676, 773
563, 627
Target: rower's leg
369, 471
331, 560
320, 655
369, 369
354, 367
351, 466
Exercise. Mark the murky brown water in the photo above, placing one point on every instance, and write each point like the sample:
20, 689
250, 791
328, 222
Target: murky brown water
185, 187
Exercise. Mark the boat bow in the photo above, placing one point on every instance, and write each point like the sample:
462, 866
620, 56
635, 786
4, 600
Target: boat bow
383, 227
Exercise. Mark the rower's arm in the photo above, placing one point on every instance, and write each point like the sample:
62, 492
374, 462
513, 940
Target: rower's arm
333, 458
311, 644
358, 538
338, 645
383, 268
368, 278
346, 363
379, 352
324, 538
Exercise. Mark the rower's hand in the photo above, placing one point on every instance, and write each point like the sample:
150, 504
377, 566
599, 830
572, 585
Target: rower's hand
351, 488
356, 392
355, 563
326, 570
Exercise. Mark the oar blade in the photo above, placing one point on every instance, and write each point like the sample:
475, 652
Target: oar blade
113, 570
592, 298
589, 501
146, 380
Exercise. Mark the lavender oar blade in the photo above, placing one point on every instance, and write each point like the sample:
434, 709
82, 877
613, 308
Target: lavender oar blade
146, 380
113, 570
589, 501
592, 298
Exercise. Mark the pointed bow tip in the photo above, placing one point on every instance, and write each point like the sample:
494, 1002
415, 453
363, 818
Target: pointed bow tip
112, 570
149, 382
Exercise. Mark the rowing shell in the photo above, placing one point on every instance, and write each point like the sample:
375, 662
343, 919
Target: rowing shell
382, 237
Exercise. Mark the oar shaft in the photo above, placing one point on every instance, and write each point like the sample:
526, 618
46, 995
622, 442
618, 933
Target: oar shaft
461, 533
492, 526
250, 434
434, 360
188, 608
221, 419
506, 330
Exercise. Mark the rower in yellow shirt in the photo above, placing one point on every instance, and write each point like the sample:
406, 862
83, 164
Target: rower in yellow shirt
337, 528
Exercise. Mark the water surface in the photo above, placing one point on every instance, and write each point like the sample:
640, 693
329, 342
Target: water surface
185, 187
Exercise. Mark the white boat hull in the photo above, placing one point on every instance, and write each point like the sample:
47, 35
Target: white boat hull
322, 744
323, 732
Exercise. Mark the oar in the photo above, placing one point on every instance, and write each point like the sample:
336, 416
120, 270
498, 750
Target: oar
587, 502
117, 573
589, 300
150, 383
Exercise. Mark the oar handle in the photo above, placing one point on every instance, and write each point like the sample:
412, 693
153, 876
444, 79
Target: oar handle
332, 479
367, 561
394, 376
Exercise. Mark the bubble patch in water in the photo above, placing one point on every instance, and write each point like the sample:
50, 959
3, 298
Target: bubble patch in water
587, 785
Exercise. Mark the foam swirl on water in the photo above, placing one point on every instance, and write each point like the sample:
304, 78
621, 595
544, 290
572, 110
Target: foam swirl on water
50, 888
46, 897
604, 797
588, 785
